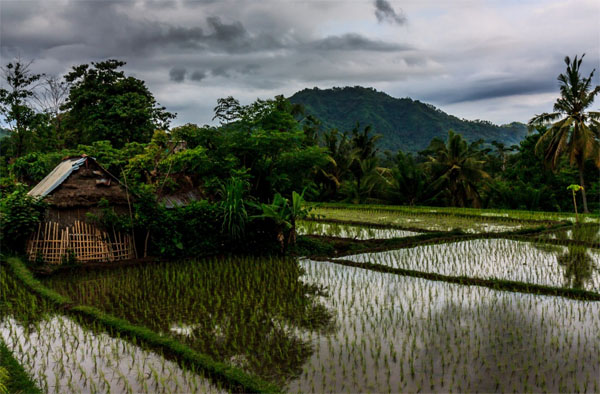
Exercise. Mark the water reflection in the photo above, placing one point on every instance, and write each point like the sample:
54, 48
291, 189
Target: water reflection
578, 264
249, 312
66, 355
350, 231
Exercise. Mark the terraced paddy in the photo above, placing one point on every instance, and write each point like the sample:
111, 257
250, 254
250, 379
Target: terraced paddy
349, 231
326, 326
401, 334
559, 266
427, 221
64, 355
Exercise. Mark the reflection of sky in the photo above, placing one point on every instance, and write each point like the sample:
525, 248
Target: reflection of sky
487, 258
347, 231
70, 359
457, 338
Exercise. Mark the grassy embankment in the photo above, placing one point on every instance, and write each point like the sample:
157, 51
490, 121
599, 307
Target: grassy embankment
230, 377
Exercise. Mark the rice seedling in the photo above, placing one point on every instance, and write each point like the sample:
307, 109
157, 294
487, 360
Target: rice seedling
511, 214
243, 311
431, 221
62, 355
438, 336
348, 231
573, 266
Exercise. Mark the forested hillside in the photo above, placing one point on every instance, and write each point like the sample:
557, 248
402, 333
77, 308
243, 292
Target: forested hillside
405, 124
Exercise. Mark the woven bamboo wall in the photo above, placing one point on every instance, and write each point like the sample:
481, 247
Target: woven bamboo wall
54, 244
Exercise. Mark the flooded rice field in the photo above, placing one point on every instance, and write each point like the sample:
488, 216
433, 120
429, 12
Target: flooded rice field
349, 231
65, 356
559, 266
402, 334
425, 220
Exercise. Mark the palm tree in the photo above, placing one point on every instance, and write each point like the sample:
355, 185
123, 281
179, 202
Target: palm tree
365, 149
407, 181
457, 168
572, 131
502, 151
341, 157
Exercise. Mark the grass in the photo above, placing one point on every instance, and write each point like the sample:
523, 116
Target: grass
232, 377
18, 380
498, 214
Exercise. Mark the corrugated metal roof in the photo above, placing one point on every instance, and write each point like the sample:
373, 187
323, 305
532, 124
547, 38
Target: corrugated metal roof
57, 176
181, 199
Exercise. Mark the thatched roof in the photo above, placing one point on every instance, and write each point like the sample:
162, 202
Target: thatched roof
79, 182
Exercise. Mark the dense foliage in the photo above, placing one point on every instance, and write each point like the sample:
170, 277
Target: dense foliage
246, 172
404, 124
19, 217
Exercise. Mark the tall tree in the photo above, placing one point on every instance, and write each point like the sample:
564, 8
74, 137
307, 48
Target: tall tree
337, 168
104, 104
457, 169
502, 150
365, 150
407, 181
573, 131
15, 101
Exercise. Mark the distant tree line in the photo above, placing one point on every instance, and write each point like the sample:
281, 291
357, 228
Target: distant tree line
251, 163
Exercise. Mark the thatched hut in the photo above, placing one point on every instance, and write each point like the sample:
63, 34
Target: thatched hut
73, 189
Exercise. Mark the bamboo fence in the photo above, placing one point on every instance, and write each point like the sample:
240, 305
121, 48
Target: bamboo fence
83, 241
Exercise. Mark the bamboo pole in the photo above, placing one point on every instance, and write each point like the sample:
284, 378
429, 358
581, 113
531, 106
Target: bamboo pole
130, 213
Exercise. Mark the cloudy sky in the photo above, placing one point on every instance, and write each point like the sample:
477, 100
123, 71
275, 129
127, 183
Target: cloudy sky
493, 60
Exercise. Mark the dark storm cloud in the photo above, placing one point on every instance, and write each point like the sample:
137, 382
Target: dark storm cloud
248, 48
385, 13
177, 74
355, 42
494, 88
198, 75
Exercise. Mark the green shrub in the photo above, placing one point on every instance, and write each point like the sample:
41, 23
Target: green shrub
19, 217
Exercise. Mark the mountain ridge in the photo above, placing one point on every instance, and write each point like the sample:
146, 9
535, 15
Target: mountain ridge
405, 124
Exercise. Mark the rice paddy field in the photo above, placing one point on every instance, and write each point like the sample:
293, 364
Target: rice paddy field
424, 221
310, 325
498, 259
64, 355
349, 231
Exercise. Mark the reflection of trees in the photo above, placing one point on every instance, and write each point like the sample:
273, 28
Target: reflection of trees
579, 265
18, 302
250, 312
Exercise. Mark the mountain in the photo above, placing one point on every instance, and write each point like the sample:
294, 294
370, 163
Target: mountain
405, 124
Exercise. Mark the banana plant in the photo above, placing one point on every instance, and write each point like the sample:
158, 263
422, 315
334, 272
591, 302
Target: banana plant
285, 216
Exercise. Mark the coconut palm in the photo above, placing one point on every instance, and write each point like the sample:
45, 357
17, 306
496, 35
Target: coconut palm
365, 150
572, 131
457, 168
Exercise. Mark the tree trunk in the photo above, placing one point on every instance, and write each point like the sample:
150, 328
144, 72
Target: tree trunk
581, 182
